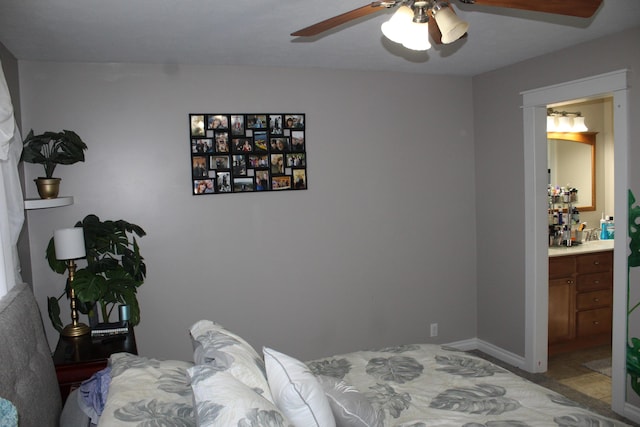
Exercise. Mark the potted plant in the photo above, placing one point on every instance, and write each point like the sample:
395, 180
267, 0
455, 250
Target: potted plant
114, 272
51, 149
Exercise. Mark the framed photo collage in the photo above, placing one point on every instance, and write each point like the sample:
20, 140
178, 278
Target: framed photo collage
239, 153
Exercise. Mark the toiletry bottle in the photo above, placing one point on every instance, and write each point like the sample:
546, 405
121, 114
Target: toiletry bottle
566, 235
575, 216
611, 228
603, 228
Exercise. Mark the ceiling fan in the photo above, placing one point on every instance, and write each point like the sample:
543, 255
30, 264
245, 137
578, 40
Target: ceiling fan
415, 20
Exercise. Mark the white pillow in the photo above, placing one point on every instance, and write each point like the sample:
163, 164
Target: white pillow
217, 347
296, 391
221, 400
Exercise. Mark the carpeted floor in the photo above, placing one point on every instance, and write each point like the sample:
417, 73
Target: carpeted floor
545, 381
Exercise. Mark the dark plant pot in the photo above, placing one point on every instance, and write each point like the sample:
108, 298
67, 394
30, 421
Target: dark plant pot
93, 316
48, 188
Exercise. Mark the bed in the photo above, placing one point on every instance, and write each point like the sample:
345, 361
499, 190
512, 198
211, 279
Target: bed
229, 383
415, 385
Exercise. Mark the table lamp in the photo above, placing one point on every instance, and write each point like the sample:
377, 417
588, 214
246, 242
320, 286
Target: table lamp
69, 246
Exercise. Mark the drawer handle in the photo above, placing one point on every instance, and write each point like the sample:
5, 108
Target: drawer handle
596, 300
595, 322
597, 282
569, 282
596, 262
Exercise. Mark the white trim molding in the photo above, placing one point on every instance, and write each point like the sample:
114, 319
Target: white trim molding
535, 101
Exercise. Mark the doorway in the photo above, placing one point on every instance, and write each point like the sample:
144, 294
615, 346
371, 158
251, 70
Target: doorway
580, 309
536, 243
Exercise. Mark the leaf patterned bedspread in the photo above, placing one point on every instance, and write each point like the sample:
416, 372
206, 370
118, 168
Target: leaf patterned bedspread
427, 385
420, 385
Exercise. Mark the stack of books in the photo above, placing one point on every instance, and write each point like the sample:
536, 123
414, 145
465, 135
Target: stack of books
109, 329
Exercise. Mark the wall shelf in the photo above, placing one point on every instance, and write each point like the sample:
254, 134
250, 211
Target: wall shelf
48, 203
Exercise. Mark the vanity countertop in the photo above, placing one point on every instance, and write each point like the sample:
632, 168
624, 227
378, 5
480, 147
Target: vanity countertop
585, 247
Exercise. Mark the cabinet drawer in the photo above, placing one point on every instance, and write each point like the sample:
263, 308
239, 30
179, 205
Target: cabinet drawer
593, 322
594, 281
564, 281
592, 263
595, 299
561, 266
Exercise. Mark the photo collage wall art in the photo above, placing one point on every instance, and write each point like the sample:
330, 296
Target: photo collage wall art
237, 153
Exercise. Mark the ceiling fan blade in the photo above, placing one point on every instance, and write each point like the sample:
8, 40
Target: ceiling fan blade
330, 23
579, 8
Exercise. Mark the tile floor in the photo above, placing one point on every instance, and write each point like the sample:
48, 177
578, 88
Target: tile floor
568, 369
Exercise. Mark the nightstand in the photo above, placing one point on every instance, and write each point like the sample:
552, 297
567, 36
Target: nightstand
76, 359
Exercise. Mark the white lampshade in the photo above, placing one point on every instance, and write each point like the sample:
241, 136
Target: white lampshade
69, 243
564, 124
450, 25
578, 124
417, 36
396, 27
551, 124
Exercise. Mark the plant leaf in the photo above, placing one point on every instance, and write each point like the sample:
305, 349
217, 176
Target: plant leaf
53, 148
54, 313
634, 231
89, 287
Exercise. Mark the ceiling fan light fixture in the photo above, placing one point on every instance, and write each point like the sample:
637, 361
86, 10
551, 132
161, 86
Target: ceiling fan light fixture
420, 14
396, 28
417, 37
451, 26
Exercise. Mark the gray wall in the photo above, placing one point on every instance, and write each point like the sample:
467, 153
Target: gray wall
499, 178
381, 244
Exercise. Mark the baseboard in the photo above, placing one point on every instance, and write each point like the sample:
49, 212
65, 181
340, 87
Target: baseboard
464, 345
490, 349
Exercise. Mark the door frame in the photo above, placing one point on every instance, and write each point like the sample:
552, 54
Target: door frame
614, 84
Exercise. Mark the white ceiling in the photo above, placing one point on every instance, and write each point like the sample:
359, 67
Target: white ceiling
242, 32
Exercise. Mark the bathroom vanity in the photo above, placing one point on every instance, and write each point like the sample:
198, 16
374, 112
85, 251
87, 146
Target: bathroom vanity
580, 296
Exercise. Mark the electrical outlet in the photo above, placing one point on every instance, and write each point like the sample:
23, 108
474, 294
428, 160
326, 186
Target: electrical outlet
434, 329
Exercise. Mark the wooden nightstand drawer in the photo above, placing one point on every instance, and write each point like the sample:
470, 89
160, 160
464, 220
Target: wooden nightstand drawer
593, 322
77, 359
595, 299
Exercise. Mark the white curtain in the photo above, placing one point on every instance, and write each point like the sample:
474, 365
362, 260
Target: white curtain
11, 201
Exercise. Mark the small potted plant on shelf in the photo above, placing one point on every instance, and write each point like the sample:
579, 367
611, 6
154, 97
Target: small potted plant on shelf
114, 272
51, 149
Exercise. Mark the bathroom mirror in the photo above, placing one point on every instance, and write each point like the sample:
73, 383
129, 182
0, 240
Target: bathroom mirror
572, 162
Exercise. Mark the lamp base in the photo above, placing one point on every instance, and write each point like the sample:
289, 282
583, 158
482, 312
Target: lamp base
75, 330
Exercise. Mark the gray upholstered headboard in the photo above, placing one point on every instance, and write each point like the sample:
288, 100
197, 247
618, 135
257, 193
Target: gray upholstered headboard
27, 374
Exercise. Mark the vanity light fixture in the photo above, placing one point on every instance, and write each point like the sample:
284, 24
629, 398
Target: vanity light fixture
565, 121
409, 25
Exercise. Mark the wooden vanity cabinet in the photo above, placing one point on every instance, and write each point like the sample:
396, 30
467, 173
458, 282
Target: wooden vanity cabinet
580, 301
